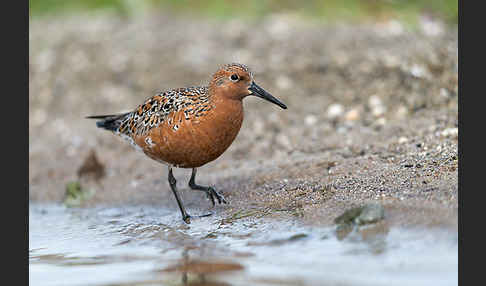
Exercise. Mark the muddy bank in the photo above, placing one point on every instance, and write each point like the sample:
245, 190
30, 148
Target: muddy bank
372, 115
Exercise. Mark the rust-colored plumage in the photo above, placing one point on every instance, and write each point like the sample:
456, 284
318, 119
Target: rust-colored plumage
189, 127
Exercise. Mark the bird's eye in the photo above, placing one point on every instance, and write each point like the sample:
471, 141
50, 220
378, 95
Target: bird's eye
234, 77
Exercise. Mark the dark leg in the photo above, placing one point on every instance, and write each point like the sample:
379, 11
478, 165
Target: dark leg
210, 192
172, 181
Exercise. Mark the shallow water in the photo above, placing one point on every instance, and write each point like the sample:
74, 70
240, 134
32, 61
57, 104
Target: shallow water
144, 245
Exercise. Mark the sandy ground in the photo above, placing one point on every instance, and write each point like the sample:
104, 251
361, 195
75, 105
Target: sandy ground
372, 114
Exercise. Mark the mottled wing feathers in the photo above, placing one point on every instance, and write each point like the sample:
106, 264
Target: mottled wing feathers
192, 101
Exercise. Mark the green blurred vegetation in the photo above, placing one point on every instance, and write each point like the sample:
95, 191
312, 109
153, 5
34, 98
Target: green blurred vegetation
324, 10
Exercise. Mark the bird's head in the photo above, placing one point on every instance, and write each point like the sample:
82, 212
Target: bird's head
235, 81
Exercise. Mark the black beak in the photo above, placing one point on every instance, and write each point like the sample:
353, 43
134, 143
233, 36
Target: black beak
260, 92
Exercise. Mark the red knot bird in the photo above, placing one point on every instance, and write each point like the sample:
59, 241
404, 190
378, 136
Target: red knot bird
189, 127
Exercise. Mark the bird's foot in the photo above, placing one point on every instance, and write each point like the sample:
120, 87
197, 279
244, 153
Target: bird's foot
211, 193
187, 218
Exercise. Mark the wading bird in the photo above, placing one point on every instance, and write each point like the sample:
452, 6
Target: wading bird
189, 127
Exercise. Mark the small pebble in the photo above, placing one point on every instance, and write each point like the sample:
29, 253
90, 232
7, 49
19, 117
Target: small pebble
453, 132
443, 92
402, 140
417, 71
310, 120
335, 110
352, 115
401, 112
376, 105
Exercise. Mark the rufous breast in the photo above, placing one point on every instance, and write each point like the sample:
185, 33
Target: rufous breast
190, 141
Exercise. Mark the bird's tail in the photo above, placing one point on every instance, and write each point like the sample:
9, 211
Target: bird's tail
109, 122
